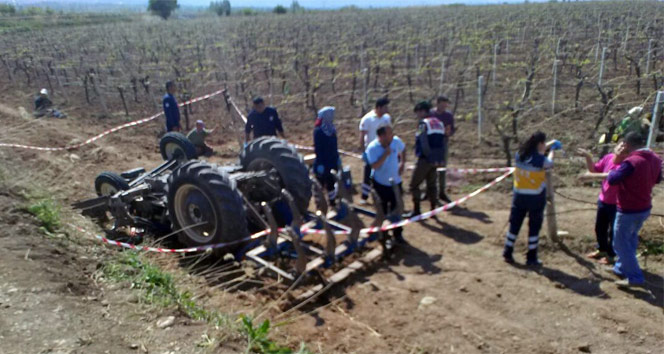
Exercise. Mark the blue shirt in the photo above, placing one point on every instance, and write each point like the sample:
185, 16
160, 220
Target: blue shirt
263, 124
390, 168
171, 111
327, 154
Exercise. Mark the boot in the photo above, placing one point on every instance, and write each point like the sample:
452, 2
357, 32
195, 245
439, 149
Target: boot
442, 196
507, 254
531, 258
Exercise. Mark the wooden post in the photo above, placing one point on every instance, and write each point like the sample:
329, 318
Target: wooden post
480, 83
186, 97
601, 67
495, 59
648, 56
654, 123
555, 84
551, 223
442, 76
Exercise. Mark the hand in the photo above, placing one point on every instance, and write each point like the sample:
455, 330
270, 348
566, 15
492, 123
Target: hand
556, 145
584, 152
388, 151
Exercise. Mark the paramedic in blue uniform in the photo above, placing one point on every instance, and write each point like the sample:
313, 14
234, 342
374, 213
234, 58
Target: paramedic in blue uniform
327, 153
529, 194
171, 109
263, 121
429, 149
387, 157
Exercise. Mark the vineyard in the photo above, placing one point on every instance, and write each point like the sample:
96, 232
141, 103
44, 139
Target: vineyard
572, 70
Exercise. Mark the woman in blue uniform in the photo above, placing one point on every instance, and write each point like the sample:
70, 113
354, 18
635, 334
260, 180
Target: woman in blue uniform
529, 194
327, 153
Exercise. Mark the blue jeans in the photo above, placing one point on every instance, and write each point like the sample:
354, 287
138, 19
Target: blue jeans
625, 241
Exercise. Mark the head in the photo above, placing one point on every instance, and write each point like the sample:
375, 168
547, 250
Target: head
326, 115
43, 92
536, 143
422, 109
631, 142
385, 135
442, 102
259, 104
200, 125
381, 107
171, 87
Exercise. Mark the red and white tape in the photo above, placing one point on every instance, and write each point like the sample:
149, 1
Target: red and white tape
260, 234
107, 132
343, 152
470, 170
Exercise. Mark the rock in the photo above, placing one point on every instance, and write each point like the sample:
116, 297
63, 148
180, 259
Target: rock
105, 302
427, 300
165, 322
463, 289
74, 157
622, 329
584, 348
133, 346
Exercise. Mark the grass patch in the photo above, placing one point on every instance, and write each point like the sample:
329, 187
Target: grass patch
258, 340
652, 247
47, 213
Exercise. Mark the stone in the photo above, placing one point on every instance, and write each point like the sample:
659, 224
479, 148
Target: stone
165, 322
427, 300
584, 348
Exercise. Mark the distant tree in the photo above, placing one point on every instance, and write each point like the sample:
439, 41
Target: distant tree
162, 8
7, 9
248, 12
295, 7
221, 8
279, 10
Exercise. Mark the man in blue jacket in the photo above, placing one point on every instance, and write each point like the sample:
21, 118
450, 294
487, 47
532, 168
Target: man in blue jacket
263, 121
327, 153
171, 109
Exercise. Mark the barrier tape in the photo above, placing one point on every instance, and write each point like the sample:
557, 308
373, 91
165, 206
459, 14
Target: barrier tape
107, 132
470, 170
260, 234
343, 152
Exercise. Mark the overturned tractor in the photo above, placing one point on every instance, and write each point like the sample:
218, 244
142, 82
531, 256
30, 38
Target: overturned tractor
266, 195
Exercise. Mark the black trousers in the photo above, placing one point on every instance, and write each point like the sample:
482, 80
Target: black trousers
606, 215
366, 181
388, 201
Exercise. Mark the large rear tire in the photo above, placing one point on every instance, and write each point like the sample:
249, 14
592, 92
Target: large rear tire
269, 152
174, 145
109, 183
206, 205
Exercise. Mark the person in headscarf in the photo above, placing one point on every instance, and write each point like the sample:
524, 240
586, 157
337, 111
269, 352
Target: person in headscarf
327, 153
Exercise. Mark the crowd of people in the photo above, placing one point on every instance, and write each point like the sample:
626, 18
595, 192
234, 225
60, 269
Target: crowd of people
628, 174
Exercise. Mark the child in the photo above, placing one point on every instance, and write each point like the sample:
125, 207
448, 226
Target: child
606, 206
529, 194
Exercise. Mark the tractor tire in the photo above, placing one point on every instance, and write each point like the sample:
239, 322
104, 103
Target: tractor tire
201, 193
269, 152
109, 183
175, 145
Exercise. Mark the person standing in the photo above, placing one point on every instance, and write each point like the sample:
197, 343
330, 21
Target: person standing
387, 158
447, 118
327, 153
197, 137
263, 121
606, 206
529, 194
429, 149
368, 125
635, 177
171, 109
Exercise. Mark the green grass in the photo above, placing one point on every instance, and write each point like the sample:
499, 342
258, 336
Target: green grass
47, 213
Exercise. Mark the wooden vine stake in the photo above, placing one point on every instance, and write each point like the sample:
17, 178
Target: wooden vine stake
551, 223
442, 76
493, 70
480, 84
601, 67
648, 56
654, 124
555, 83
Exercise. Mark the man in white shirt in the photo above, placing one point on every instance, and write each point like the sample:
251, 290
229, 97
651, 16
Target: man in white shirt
368, 125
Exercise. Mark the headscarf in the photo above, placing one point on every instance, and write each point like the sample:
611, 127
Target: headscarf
326, 120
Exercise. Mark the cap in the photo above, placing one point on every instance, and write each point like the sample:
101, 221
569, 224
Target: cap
199, 122
44, 91
422, 106
442, 98
258, 100
384, 101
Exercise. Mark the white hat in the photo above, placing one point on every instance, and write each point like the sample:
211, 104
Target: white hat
44, 91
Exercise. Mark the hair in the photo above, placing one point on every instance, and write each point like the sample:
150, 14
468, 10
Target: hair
422, 106
169, 84
634, 139
529, 147
442, 99
382, 130
382, 102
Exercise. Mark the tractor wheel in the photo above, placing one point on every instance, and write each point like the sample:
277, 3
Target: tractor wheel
109, 183
175, 145
205, 204
267, 153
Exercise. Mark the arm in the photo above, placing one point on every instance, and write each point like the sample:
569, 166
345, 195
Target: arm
376, 165
277, 124
589, 160
616, 176
592, 176
363, 133
402, 161
247, 129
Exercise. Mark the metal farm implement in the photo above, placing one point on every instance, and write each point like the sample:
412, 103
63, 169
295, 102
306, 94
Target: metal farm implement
256, 210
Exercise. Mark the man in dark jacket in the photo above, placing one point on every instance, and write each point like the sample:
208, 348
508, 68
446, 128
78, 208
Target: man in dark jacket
171, 109
263, 121
447, 118
327, 153
429, 147
44, 106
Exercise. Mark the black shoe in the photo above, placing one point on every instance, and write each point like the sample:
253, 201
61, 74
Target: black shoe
507, 255
534, 262
444, 198
400, 240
